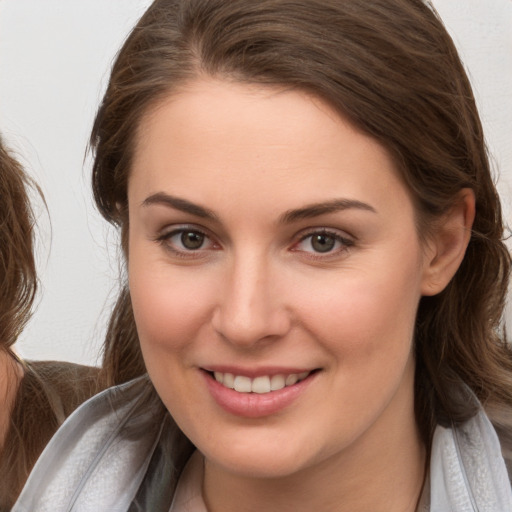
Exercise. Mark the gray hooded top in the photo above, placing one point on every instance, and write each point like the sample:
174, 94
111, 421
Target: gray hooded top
122, 452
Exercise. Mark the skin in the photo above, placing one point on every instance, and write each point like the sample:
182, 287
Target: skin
257, 294
11, 374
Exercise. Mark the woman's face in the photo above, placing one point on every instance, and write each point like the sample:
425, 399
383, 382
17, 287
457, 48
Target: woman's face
273, 249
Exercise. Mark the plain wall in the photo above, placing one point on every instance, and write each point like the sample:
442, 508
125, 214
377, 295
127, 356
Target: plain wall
54, 62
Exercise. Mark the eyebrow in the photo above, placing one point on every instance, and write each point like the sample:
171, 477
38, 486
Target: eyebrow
317, 209
306, 212
161, 198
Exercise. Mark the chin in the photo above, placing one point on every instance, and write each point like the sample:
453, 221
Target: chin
261, 460
267, 468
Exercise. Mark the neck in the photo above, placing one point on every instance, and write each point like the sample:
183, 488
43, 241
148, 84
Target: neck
383, 470
394, 483
380, 489
11, 374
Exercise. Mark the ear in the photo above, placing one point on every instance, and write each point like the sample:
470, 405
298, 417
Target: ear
447, 245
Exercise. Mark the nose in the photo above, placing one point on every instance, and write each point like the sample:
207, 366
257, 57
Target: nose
251, 305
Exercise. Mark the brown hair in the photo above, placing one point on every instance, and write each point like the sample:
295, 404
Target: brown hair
18, 282
393, 70
17, 265
48, 391
122, 357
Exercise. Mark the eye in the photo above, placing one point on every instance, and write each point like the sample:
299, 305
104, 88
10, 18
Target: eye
191, 240
186, 241
323, 242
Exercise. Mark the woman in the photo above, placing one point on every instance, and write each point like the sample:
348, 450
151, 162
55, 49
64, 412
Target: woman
315, 265
35, 397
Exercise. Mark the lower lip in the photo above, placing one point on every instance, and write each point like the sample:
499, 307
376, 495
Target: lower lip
255, 405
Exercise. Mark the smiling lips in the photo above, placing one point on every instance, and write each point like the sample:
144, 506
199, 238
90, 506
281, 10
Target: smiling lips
259, 396
262, 384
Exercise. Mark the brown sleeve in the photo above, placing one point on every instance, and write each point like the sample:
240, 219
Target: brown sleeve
49, 392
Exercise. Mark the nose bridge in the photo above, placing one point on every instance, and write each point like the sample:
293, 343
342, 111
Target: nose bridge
250, 307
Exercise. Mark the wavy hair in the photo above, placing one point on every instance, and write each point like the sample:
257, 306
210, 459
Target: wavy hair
391, 68
48, 391
17, 266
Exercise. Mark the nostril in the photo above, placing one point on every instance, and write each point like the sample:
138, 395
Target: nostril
251, 327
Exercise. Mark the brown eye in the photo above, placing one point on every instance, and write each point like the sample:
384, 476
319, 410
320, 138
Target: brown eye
192, 240
323, 242
187, 242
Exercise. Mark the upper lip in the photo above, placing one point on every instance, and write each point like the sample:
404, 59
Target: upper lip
257, 372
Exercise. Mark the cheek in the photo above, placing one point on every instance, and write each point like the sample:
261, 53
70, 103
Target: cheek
157, 310
364, 314
367, 327
169, 306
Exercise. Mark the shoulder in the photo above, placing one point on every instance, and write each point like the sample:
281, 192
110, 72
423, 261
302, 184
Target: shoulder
468, 467
64, 382
48, 393
98, 458
505, 438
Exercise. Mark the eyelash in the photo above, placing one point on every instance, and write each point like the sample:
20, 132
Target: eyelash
164, 239
344, 243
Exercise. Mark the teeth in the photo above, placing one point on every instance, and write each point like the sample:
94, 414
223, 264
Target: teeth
291, 379
228, 380
262, 384
242, 384
277, 382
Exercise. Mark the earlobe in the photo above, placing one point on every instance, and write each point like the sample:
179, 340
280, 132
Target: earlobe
447, 245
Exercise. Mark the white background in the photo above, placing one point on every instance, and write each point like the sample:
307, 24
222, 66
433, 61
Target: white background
54, 61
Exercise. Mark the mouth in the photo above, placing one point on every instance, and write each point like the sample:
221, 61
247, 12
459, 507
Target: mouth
262, 384
257, 394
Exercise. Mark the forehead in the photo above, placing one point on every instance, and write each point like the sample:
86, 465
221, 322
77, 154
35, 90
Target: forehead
252, 113
218, 138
